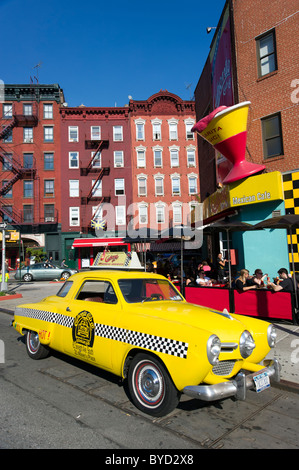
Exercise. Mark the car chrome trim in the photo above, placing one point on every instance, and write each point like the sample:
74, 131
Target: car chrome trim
234, 388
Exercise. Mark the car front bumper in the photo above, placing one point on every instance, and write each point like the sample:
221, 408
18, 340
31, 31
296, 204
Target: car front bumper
235, 388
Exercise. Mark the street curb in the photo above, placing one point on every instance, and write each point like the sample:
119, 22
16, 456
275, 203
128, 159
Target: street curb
10, 297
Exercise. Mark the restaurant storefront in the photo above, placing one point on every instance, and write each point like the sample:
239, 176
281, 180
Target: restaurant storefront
251, 200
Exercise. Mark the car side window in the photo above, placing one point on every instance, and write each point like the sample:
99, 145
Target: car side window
97, 291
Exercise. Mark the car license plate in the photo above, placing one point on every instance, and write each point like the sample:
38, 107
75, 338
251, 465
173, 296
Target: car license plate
261, 381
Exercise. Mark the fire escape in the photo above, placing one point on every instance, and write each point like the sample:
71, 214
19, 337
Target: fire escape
98, 145
13, 164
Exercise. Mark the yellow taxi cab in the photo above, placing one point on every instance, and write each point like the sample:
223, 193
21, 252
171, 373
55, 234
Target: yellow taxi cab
139, 327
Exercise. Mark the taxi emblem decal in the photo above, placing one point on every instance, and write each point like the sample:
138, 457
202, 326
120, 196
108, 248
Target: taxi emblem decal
83, 329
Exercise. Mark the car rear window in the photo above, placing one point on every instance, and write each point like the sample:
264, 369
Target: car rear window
65, 289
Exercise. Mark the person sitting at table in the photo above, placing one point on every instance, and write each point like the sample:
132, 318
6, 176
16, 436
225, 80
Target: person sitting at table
203, 280
259, 278
285, 285
243, 283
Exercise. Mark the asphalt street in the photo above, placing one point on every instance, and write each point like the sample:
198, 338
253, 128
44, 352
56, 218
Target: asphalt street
60, 403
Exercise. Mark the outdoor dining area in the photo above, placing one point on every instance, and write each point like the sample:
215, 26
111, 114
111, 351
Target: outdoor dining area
222, 293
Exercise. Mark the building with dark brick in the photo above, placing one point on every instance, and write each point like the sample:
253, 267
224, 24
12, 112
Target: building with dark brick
30, 192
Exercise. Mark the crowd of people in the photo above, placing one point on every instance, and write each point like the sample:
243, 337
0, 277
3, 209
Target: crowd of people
206, 273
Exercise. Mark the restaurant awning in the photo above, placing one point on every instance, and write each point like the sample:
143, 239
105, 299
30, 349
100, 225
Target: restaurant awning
93, 242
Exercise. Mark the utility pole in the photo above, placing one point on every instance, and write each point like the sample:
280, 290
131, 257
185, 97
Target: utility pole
3, 281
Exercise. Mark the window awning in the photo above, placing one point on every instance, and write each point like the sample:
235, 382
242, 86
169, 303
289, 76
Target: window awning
90, 242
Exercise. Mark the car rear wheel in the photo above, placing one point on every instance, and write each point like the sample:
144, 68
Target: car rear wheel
150, 386
34, 348
27, 277
65, 275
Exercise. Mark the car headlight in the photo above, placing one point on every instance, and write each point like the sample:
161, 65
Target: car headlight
213, 349
271, 336
247, 344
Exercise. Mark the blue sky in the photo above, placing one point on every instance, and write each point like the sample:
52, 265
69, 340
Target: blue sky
100, 52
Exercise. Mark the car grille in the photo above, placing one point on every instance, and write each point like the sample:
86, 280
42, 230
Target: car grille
224, 367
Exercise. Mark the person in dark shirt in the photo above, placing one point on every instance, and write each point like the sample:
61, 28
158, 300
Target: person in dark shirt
286, 285
244, 283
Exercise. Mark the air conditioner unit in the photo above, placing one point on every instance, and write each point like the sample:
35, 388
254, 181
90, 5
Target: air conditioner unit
143, 219
28, 141
118, 165
190, 136
49, 219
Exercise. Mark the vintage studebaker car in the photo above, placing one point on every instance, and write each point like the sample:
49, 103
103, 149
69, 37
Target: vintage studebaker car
139, 327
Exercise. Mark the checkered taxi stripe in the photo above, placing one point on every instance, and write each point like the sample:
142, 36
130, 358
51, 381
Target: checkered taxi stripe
142, 340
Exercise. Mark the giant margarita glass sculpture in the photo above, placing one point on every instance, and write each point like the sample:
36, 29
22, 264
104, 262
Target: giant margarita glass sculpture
226, 129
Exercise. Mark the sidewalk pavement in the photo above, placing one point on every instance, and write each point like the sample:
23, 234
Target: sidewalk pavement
287, 344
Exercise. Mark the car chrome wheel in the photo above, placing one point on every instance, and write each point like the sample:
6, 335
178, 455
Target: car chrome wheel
150, 386
34, 348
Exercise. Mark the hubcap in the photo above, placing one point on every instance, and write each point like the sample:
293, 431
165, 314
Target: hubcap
149, 384
33, 342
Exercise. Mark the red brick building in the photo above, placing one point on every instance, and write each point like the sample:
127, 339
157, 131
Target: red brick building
165, 175
96, 169
253, 57
30, 192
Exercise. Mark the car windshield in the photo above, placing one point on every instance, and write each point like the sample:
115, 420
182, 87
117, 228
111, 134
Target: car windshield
147, 290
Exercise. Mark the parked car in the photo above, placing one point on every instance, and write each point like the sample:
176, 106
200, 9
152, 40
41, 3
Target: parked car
139, 327
43, 272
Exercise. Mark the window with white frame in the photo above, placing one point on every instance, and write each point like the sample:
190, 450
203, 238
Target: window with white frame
191, 157
142, 185
7, 111
28, 134
27, 109
175, 185
73, 159
118, 158
48, 133
74, 188
97, 212
158, 161
117, 133
192, 183
120, 215
73, 134
173, 129
119, 186
95, 132
96, 188
74, 216
141, 162
49, 188
157, 135
143, 217
189, 124
174, 157
96, 158
159, 185
160, 214
140, 129
177, 213
48, 111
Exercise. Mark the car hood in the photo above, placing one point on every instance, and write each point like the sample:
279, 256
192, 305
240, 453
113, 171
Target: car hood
222, 324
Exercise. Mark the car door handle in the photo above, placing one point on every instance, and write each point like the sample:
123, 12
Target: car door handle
68, 309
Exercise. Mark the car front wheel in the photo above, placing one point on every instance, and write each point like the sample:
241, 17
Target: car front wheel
34, 348
150, 386
65, 275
